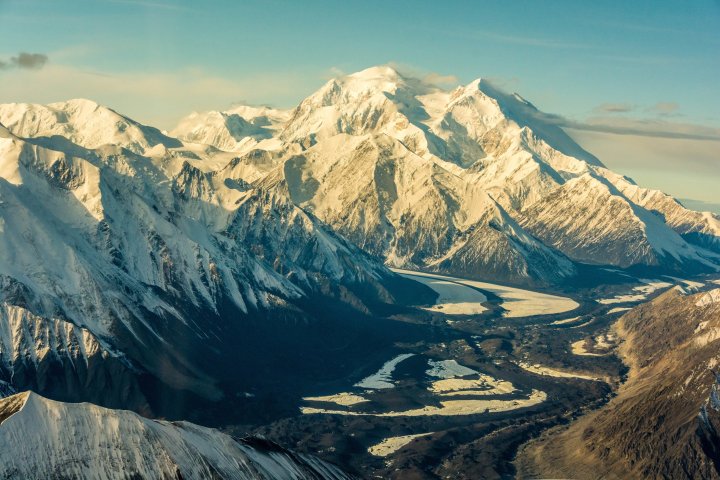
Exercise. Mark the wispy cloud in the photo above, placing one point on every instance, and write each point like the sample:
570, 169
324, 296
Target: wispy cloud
25, 61
664, 108
614, 108
646, 128
613, 118
620, 125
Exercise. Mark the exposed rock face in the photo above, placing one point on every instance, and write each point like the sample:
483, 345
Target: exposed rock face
42, 439
665, 421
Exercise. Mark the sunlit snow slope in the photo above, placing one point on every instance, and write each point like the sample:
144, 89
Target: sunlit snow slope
469, 181
43, 439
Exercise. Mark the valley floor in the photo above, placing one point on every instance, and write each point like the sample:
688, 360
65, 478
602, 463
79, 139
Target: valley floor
501, 366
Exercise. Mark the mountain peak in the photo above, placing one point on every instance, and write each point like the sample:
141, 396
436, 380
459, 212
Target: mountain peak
378, 71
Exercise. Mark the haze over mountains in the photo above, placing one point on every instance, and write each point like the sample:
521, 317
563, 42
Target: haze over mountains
248, 250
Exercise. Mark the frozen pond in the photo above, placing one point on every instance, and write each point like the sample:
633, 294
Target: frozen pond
517, 302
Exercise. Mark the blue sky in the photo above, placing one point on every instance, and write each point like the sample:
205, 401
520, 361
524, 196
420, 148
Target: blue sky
610, 68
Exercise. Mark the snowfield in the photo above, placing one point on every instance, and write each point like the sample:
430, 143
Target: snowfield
453, 298
43, 438
456, 394
517, 302
710, 298
448, 369
641, 292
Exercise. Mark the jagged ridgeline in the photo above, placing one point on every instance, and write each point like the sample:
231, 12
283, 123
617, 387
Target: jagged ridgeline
246, 251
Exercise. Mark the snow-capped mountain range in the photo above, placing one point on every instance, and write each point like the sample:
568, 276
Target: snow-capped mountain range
469, 181
122, 251
126, 251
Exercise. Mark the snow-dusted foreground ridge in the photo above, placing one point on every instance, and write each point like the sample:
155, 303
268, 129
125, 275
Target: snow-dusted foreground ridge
43, 439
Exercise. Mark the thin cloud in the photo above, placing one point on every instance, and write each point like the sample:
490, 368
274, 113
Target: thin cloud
427, 77
701, 205
156, 98
25, 61
614, 108
618, 125
664, 108
646, 128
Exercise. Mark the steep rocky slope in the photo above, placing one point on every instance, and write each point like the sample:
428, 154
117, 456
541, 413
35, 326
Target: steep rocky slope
665, 420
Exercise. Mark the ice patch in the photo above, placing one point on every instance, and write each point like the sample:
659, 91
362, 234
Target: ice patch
643, 291
343, 398
618, 310
551, 372
383, 377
